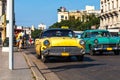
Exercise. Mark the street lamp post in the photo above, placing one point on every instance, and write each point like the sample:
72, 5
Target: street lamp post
10, 30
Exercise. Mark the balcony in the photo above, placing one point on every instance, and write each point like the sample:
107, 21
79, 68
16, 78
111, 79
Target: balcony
110, 11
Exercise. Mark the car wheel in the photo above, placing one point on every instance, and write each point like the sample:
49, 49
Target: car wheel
80, 58
69, 58
100, 52
92, 52
43, 58
38, 56
116, 52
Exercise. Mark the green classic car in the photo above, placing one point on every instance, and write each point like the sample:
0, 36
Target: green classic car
59, 42
99, 41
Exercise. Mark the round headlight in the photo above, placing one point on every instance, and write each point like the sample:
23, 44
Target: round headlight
96, 41
82, 42
46, 43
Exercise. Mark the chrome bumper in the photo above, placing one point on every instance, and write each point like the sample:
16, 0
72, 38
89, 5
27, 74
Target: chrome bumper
63, 51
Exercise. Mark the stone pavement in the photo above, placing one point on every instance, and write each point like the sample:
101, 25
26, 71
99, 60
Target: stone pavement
21, 70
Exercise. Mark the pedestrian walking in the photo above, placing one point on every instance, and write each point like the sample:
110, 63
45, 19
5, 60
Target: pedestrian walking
20, 43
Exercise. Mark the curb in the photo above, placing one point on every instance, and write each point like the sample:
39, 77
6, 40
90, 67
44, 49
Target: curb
37, 74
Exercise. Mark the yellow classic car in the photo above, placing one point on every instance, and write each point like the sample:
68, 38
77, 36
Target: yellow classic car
59, 42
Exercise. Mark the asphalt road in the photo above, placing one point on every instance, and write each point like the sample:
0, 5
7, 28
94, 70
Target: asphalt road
98, 67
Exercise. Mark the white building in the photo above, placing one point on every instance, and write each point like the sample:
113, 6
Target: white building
63, 14
91, 10
110, 14
41, 26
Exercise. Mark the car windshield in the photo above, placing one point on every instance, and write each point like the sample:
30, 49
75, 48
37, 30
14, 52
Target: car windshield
58, 33
100, 34
78, 35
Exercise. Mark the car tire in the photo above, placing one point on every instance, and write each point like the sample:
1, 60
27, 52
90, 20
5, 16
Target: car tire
38, 56
101, 52
92, 52
43, 58
69, 58
116, 52
80, 58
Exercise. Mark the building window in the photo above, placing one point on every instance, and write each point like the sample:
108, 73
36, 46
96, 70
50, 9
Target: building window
112, 4
66, 18
101, 2
108, 6
104, 1
62, 17
117, 3
101, 9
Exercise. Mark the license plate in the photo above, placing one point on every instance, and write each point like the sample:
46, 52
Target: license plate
109, 49
65, 54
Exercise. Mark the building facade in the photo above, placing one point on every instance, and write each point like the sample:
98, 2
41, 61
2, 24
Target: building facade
25, 30
76, 14
63, 14
41, 26
91, 10
110, 14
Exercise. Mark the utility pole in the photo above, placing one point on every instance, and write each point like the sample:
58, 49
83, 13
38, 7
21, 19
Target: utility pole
10, 30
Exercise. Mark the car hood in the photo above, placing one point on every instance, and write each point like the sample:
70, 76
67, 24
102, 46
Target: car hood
108, 40
63, 41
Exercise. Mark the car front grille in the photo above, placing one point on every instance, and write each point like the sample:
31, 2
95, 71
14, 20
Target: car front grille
107, 45
65, 49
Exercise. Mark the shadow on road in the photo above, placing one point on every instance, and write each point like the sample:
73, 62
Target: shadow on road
71, 66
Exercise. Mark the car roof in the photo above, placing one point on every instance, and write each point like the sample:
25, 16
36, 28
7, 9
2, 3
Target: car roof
97, 30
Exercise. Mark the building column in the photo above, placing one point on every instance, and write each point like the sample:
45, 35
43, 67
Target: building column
115, 4
119, 4
3, 20
101, 23
119, 18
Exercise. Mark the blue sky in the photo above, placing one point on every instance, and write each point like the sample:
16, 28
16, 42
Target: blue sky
34, 12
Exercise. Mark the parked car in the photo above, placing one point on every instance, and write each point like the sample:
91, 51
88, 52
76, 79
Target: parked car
59, 42
100, 41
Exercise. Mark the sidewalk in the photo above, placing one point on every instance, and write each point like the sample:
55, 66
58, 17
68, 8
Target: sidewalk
21, 70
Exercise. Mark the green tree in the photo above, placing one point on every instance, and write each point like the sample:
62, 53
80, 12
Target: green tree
35, 33
77, 24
